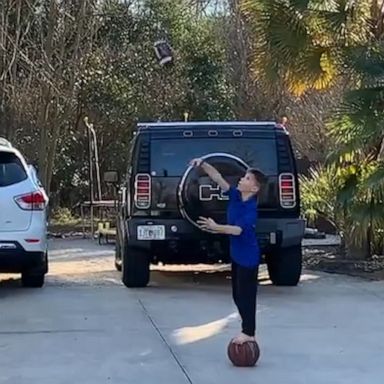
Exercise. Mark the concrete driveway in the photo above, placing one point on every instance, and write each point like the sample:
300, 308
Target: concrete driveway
85, 327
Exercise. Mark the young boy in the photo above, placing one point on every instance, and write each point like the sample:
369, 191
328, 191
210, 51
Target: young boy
244, 248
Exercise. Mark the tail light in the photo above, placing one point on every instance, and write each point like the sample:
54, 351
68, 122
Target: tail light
34, 201
142, 191
287, 190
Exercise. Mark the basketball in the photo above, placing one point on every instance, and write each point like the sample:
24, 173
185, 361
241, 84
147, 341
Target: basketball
243, 355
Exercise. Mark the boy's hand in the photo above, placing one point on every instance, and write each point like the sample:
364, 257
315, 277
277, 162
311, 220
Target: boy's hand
207, 224
196, 162
211, 171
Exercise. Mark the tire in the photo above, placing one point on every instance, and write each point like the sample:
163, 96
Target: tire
32, 280
285, 265
135, 267
35, 278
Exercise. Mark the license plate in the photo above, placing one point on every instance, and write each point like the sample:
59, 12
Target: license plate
151, 232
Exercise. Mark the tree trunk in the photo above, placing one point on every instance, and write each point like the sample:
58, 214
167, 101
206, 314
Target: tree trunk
46, 96
59, 114
3, 68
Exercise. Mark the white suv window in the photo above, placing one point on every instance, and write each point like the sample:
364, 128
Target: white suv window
11, 169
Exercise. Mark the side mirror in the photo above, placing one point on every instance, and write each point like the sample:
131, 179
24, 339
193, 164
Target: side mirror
111, 177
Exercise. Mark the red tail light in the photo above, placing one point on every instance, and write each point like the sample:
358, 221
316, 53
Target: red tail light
142, 191
287, 190
34, 201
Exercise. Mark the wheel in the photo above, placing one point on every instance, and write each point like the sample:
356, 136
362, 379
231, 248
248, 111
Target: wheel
31, 280
135, 267
118, 256
284, 266
35, 278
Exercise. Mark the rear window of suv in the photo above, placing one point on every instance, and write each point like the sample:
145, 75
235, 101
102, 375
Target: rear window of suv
171, 157
11, 169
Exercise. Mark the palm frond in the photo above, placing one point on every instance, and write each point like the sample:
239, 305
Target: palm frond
367, 61
358, 122
349, 189
302, 42
350, 137
375, 180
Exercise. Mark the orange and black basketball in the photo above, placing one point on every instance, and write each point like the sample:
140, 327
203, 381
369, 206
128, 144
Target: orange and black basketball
243, 355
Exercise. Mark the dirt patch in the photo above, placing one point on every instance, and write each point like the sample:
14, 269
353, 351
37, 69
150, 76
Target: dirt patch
328, 259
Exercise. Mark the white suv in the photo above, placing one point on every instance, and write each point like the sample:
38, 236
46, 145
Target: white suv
23, 218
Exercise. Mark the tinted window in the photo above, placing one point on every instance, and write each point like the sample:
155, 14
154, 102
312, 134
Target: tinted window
171, 157
11, 169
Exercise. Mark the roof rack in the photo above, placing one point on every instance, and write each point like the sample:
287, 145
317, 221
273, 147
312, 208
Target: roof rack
5, 143
204, 124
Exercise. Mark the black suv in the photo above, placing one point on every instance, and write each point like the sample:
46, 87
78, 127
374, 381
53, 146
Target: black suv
162, 196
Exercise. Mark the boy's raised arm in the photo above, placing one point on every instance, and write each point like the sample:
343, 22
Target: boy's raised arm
212, 172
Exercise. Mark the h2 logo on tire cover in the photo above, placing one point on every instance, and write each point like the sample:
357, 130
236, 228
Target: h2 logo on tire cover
208, 192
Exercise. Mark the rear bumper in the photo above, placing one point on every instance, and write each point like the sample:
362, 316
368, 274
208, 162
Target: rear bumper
35, 232
14, 258
271, 233
283, 232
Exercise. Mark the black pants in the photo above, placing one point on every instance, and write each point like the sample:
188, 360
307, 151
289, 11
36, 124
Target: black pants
244, 291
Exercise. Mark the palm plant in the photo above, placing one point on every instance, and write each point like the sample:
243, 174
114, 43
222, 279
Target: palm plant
358, 136
302, 43
312, 45
341, 195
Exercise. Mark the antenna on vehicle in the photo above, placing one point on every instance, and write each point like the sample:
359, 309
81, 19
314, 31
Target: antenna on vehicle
186, 115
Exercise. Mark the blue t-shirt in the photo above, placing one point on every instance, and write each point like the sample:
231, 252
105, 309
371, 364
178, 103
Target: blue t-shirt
244, 248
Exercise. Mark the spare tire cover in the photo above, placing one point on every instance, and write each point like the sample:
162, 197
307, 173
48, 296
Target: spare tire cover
200, 196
